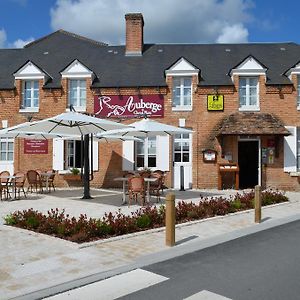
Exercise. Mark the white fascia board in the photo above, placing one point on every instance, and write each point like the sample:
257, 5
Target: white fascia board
182, 72
253, 72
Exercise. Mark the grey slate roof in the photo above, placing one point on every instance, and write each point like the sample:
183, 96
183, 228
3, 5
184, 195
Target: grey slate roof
112, 68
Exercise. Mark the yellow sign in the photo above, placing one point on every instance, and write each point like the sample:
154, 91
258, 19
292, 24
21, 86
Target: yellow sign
215, 102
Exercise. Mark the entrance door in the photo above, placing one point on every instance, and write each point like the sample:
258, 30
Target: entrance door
7, 155
183, 157
249, 163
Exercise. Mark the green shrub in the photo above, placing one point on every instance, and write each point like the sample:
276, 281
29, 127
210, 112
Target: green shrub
143, 221
235, 205
10, 220
32, 222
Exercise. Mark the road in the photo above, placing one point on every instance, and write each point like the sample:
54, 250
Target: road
265, 265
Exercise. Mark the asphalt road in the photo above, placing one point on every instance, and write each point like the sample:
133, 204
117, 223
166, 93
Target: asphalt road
265, 265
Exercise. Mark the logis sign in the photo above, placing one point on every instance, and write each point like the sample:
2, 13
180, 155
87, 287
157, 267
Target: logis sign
129, 106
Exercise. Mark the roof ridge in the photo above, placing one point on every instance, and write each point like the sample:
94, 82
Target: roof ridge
80, 37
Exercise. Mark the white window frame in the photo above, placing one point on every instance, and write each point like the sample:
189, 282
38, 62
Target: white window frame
181, 139
249, 107
77, 107
146, 153
66, 155
298, 149
182, 106
7, 151
30, 108
298, 91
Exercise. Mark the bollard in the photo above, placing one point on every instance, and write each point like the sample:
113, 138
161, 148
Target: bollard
181, 178
170, 219
257, 203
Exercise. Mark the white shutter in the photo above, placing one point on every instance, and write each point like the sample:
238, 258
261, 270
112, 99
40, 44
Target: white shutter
58, 154
128, 156
162, 153
290, 150
95, 155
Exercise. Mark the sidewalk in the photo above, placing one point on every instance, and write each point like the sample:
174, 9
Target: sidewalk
33, 262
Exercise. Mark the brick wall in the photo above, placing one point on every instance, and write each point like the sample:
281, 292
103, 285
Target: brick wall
281, 102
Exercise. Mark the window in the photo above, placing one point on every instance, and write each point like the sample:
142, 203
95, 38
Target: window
298, 91
182, 92
182, 148
298, 149
77, 93
30, 94
73, 154
248, 93
6, 150
146, 153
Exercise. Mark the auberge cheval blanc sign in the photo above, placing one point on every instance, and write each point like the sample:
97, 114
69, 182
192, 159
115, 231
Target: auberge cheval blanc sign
129, 106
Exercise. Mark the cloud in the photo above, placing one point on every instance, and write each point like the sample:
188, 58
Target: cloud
235, 33
19, 43
2, 38
166, 21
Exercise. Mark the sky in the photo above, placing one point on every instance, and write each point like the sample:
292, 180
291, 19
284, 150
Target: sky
166, 21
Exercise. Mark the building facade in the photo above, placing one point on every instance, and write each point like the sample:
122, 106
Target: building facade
242, 102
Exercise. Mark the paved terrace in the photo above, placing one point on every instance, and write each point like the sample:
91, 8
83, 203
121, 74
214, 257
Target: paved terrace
30, 262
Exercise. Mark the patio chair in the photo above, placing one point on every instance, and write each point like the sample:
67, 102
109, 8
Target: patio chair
136, 186
163, 176
34, 180
19, 182
50, 179
4, 182
156, 186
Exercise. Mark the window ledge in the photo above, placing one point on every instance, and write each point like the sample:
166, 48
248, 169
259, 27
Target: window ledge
298, 107
294, 174
63, 172
249, 108
182, 108
29, 109
77, 108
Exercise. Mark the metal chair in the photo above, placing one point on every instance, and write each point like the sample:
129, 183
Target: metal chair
156, 186
34, 180
136, 186
4, 182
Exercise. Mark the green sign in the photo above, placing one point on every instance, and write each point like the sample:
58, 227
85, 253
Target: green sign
215, 102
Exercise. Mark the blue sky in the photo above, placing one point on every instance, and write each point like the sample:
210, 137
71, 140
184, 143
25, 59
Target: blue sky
166, 21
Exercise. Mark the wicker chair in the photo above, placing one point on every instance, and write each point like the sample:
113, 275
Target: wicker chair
162, 174
34, 180
136, 186
4, 182
156, 186
19, 182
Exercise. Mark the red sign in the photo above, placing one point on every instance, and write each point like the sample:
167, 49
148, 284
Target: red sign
129, 106
35, 146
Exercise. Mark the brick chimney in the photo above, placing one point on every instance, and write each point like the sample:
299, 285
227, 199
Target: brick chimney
134, 34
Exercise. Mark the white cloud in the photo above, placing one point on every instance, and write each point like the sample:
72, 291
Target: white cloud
2, 38
166, 21
19, 43
233, 34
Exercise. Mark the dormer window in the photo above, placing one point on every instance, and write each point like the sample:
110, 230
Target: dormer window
77, 75
248, 93
182, 73
182, 93
77, 94
30, 94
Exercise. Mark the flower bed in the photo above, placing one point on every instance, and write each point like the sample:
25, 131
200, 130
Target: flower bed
84, 229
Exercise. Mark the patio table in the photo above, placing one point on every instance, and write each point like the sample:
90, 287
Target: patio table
12, 179
146, 179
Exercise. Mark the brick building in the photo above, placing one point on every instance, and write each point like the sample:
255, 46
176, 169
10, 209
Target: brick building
241, 100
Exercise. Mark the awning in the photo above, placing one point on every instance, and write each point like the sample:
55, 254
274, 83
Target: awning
251, 123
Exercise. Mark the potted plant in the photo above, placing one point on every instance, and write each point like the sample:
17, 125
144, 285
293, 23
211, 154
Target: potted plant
73, 178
